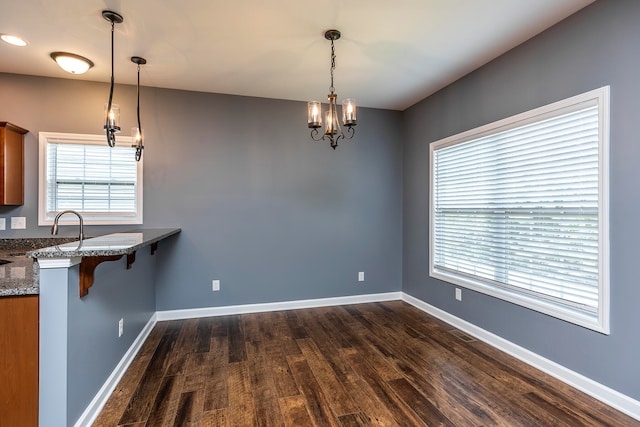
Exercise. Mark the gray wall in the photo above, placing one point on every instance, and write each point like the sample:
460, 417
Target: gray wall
79, 343
263, 208
94, 348
273, 215
595, 47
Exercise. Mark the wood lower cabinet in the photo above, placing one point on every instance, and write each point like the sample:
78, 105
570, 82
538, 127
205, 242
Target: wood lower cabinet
11, 164
19, 361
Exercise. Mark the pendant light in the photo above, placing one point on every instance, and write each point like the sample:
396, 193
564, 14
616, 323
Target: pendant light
333, 131
112, 111
137, 132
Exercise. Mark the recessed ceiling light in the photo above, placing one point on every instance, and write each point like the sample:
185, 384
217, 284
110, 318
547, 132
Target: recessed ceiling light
14, 40
72, 63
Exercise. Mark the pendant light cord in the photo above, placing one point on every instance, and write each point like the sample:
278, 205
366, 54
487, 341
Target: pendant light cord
111, 140
138, 109
139, 146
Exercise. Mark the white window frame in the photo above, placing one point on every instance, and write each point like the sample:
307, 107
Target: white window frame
46, 218
599, 321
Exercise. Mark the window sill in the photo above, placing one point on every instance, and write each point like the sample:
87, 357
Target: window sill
598, 323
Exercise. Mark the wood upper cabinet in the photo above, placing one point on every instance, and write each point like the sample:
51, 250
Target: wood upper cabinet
11, 164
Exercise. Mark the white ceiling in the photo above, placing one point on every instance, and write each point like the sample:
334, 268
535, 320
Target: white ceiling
391, 54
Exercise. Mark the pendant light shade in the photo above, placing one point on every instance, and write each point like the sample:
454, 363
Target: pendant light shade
113, 116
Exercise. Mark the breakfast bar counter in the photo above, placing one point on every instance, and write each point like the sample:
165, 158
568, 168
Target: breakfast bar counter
19, 274
107, 245
92, 252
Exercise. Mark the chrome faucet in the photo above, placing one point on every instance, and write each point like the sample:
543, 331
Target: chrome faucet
54, 227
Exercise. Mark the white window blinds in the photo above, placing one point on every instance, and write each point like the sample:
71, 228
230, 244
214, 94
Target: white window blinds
86, 175
518, 209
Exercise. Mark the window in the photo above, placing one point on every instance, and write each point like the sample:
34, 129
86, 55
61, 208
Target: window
81, 172
519, 210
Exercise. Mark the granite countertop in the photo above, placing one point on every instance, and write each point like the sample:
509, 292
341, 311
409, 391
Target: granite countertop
18, 273
19, 269
108, 245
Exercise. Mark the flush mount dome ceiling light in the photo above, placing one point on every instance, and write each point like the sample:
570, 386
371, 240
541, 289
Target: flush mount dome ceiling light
72, 63
13, 40
332, 131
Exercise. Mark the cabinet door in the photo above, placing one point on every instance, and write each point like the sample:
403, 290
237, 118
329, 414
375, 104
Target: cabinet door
12, 164
19, 361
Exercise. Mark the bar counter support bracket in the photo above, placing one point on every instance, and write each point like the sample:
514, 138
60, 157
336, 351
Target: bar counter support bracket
88, 267
131, 258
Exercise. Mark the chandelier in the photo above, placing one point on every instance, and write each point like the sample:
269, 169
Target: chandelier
333, 131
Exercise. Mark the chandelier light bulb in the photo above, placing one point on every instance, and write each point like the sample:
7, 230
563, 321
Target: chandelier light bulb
314, 114
349, 112
330, 124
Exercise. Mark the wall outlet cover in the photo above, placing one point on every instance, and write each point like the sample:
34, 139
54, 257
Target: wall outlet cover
18, 222
215, 285
361, 276
3, 223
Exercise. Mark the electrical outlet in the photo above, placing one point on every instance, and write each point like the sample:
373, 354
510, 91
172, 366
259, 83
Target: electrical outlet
18, 222
361, 276
3, 223
120, 328
215, 285
459, 294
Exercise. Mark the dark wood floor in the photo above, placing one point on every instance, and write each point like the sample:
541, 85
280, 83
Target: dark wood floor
378, 364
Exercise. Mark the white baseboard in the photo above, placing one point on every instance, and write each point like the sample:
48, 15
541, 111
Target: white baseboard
599, 391
274, 306
93, 410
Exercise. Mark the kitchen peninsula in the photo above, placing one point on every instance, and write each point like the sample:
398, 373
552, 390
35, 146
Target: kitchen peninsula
92, 252
80, 342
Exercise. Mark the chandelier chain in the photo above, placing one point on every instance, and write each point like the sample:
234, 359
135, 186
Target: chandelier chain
333, 65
